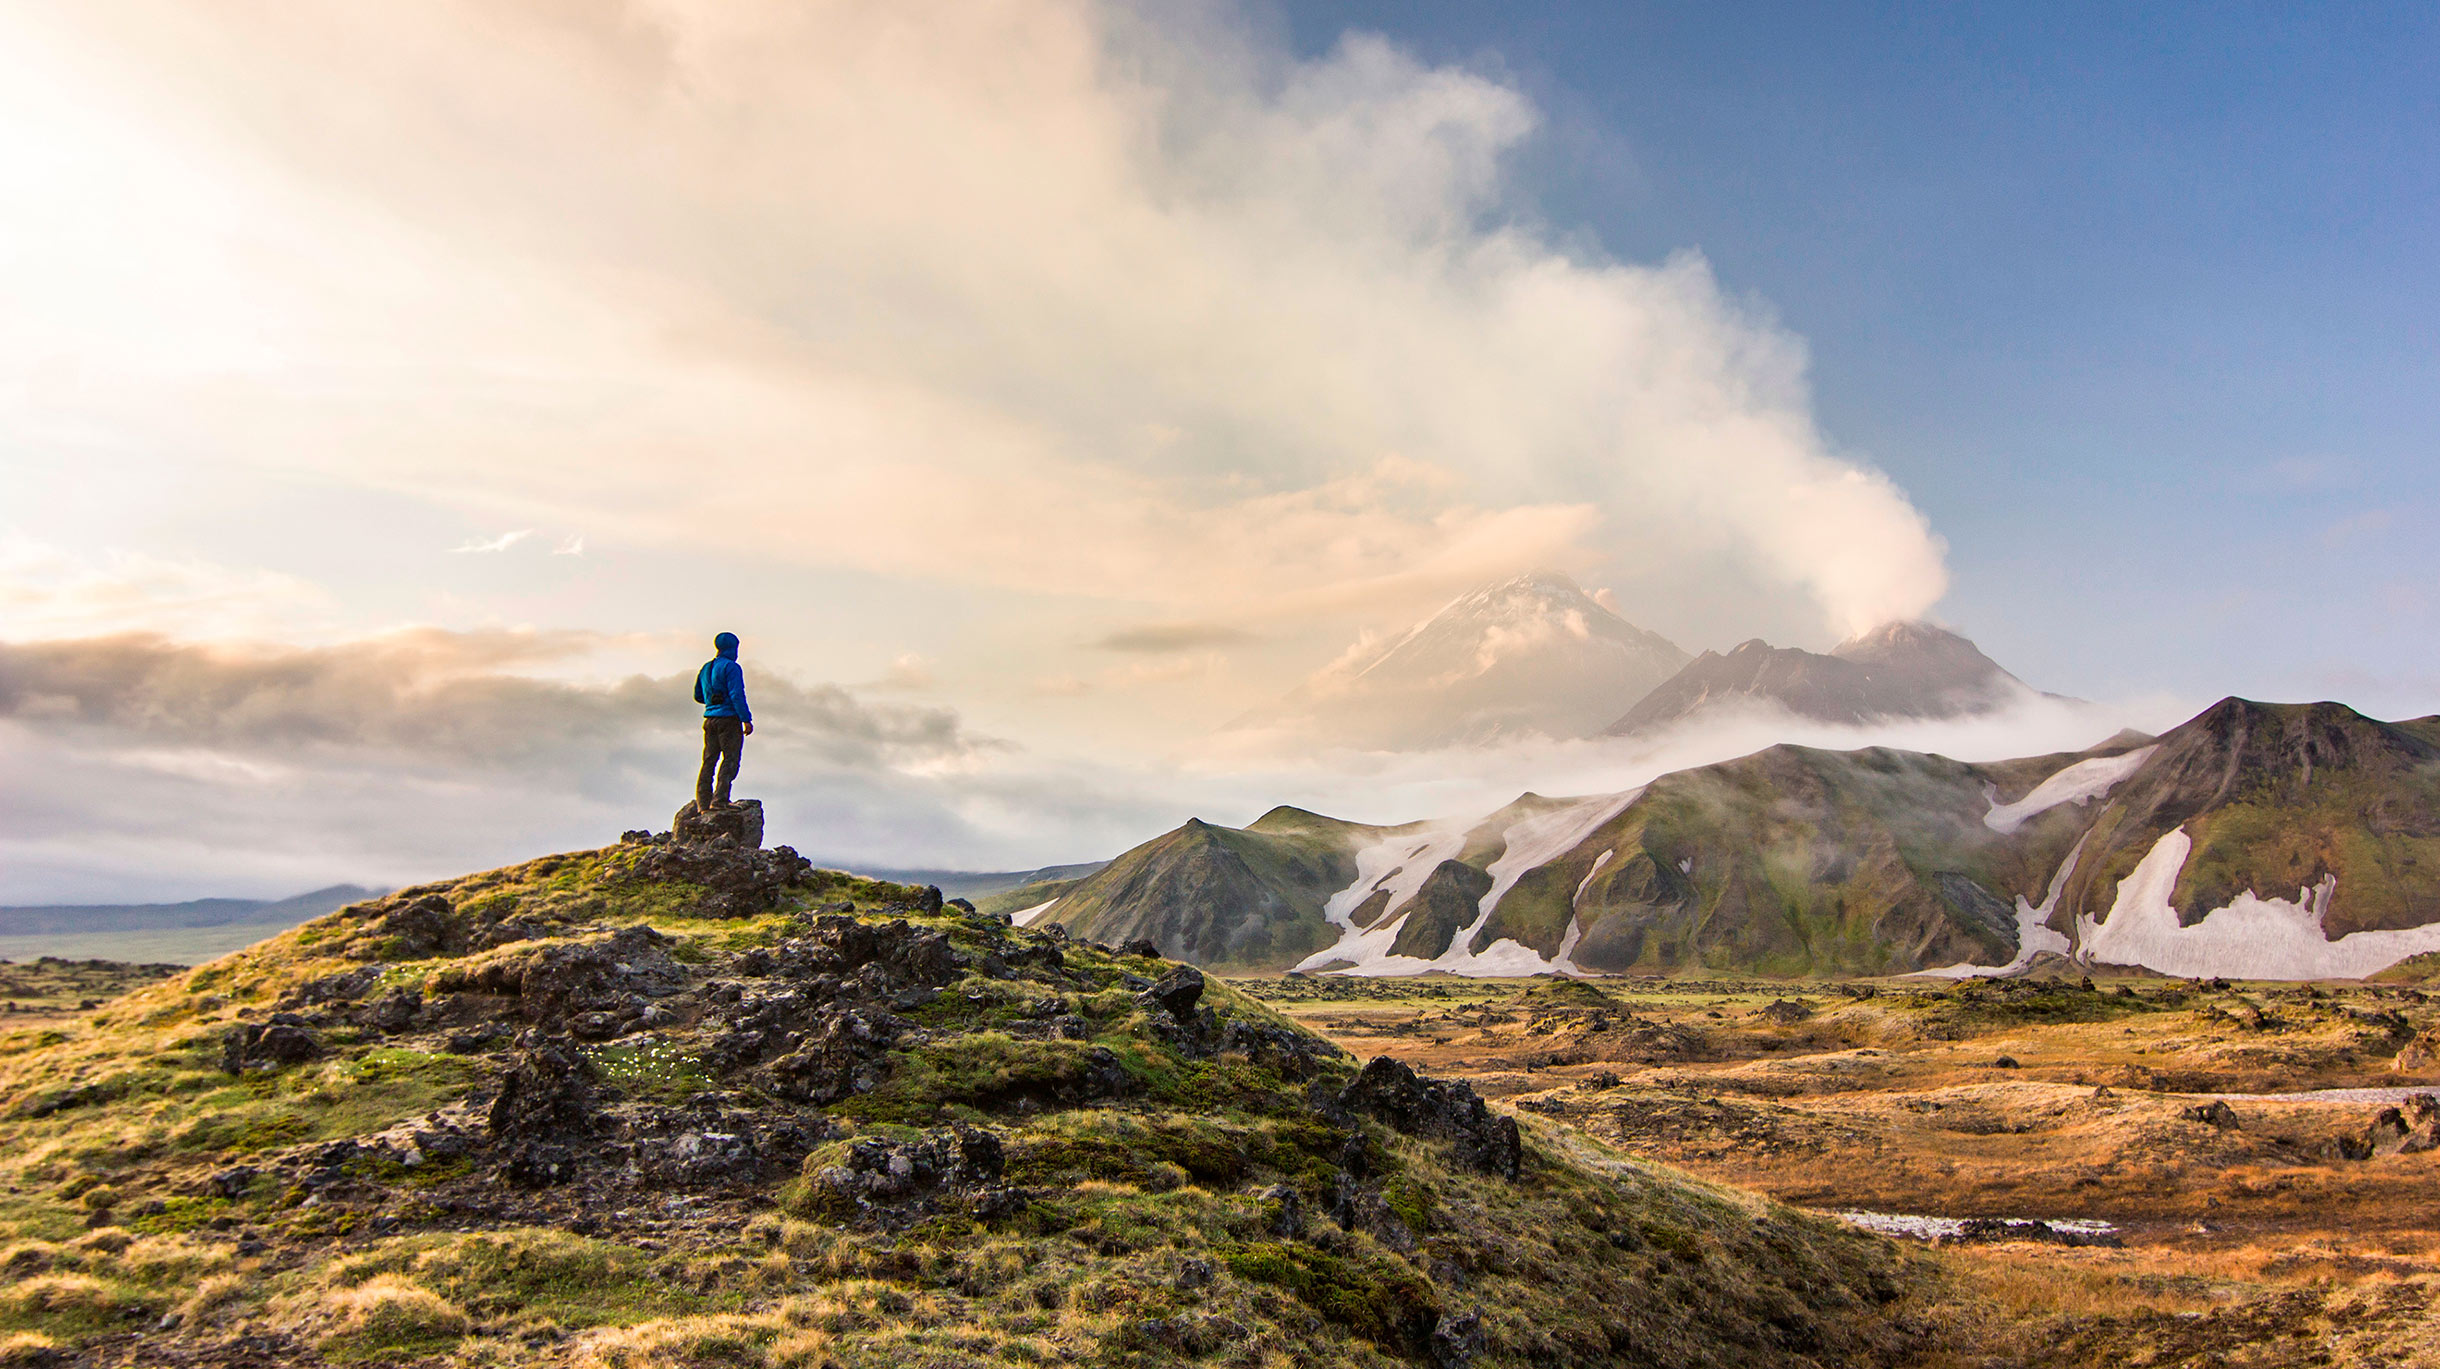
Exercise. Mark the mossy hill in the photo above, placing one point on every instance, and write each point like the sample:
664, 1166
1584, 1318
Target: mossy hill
703, 1105
1227, 898
2276, 797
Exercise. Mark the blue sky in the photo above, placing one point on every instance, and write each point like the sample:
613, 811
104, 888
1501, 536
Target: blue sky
2141, 304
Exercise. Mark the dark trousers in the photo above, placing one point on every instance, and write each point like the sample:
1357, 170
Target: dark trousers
724, 748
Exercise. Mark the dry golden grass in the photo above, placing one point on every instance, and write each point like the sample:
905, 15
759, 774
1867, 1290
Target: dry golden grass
27, 1347
1897, 1103
215, 1298
390, 1309
54, 1294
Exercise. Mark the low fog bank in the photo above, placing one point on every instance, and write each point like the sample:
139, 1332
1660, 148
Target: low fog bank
138, 769
1458, 782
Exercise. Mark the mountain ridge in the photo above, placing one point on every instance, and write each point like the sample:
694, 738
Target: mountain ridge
38, 919
1899, 670
1797, 860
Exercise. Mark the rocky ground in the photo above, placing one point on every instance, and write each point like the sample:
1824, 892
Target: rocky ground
2246, 1230
693, 1102
42, 990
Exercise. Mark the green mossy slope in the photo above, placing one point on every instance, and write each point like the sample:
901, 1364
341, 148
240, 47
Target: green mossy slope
556, 1114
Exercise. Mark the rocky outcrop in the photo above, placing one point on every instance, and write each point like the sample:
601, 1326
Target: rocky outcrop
738, 878
282, 1040
547, 1104
740, 822
1440, 1109
2411, 1128
893, 1184
417, 926
1903, 670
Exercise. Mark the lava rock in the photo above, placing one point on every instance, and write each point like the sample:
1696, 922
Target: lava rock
282, 1041
1980, 1229
896, 1183
1176, 992
557, 982
846, 1055
741, 822
2214, 1114
394, 1011
741, 880
1391, 1092
333, 988
1283, 1211
425, 927
232, 1183
1457, 1340
546, 1100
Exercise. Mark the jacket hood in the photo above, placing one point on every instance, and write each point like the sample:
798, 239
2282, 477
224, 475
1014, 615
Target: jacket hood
726, 645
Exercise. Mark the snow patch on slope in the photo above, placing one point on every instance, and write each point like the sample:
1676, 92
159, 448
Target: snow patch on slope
1026, 917
1587, 882
2079, 783
1530, 844
2251, 938
1399, 865
2033, 931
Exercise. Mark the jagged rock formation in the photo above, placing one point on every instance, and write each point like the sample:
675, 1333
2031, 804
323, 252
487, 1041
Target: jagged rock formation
1902, 670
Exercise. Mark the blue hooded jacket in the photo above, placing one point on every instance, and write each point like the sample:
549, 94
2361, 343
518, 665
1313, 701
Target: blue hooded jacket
721, 685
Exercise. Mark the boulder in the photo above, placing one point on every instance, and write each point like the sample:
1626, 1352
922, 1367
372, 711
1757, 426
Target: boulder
427, 926
1392, 1092
1177, 992
283, 1040
741, 822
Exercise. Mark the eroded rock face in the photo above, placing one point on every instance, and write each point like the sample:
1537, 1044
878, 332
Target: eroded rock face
1392, 1092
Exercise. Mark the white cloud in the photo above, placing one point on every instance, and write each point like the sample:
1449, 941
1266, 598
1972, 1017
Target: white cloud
51, 592
496, 544
1122, 307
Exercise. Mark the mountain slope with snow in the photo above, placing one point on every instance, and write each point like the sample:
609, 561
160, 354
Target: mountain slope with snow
1532, 656
2256, 840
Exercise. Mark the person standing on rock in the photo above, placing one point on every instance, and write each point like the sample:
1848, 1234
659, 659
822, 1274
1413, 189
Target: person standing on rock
727, 721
